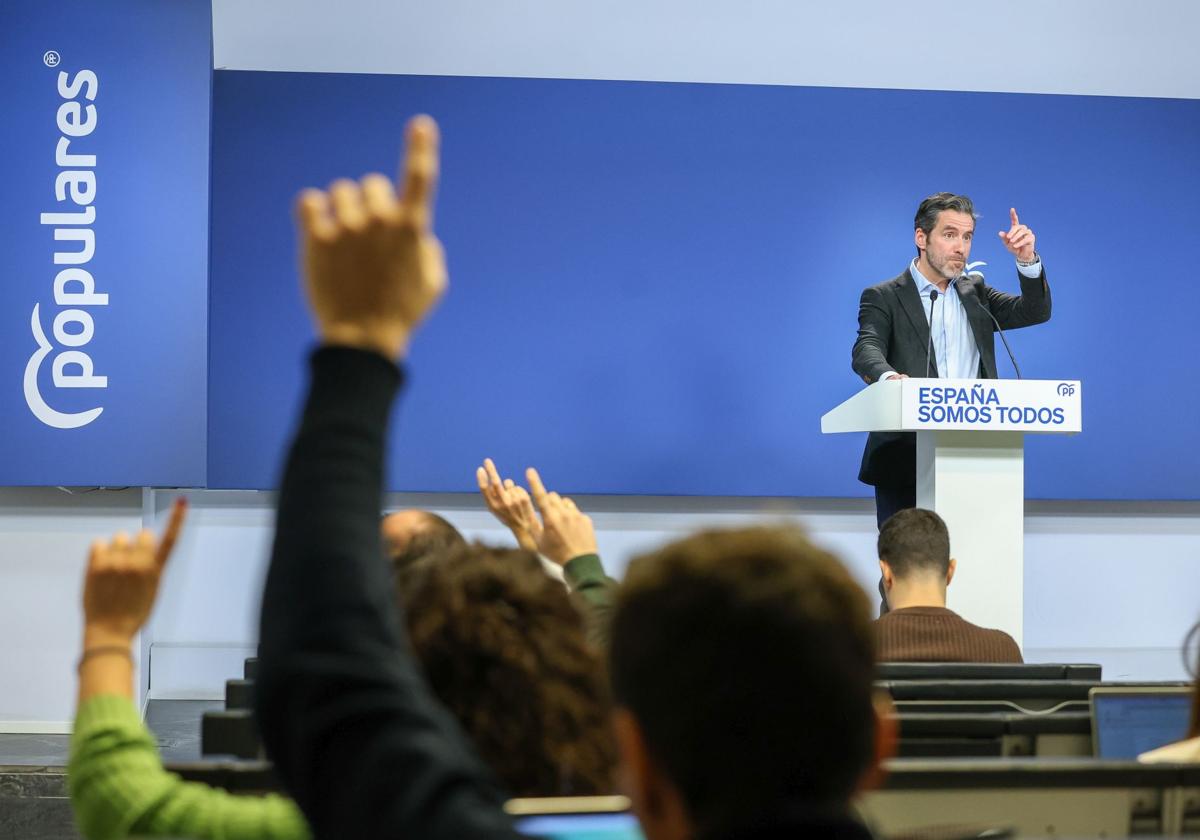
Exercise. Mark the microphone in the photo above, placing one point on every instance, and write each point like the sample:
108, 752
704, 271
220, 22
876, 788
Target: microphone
1011, 357
933, 296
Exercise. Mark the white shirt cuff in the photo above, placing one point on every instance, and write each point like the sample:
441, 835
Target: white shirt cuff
554, 570
1033, 272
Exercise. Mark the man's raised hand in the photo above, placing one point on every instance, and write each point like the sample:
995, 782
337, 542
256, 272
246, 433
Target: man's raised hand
1019, 239
372, 265
509, 503
566, 531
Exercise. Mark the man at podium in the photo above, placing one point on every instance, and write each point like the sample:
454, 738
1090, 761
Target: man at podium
934, 319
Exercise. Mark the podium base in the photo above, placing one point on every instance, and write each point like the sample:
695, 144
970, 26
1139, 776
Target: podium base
976, 483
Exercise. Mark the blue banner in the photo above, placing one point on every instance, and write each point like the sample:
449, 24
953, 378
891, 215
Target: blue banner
103, 309
654, 287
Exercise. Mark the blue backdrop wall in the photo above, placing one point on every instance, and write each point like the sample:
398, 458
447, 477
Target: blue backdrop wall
654, 286
104, 236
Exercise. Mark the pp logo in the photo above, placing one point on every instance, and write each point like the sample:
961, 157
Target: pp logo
1066, 389
972, 269
74, 284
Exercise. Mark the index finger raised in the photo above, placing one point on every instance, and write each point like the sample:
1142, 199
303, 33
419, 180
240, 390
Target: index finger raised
420, 172
171, 532
1013, 213
493, 473
536, 488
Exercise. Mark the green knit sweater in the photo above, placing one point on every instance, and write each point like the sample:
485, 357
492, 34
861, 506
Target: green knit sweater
119, 787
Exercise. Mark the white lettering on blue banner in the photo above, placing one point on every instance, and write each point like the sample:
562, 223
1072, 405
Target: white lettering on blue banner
74, 285
1009, 405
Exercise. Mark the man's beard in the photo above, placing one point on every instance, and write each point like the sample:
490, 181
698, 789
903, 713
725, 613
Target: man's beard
948, 269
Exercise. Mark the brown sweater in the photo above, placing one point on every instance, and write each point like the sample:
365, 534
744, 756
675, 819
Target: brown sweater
936, 634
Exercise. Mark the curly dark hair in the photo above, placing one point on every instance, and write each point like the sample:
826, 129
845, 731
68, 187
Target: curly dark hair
504, 648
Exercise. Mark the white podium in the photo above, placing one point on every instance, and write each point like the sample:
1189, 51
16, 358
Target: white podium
971, 470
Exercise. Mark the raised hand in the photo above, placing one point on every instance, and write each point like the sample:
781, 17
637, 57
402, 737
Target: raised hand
373, 267
566, 531
122, 581
1019, 239
509, 503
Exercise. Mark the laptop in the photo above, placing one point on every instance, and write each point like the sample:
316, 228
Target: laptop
575, 818
1130, 720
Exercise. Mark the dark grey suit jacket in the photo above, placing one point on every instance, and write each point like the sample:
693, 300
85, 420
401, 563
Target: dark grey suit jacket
893, 333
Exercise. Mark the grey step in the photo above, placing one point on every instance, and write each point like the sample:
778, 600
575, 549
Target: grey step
239, 694
231, 732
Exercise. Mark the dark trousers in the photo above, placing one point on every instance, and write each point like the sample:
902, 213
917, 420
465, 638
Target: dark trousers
891, 499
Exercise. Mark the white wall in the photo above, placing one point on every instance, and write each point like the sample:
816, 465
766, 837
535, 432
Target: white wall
44, 538
1112, 583
1104, 582
1105, 47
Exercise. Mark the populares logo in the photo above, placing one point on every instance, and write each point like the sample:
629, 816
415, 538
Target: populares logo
1066, 389
74, 285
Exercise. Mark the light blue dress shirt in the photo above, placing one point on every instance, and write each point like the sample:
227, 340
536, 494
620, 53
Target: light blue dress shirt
954, 346
953, 342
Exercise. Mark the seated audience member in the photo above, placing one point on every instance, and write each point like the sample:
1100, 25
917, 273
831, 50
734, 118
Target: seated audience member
914, 556
1186, 751
502, 645
115, 775
741, 663
409, 535
750, 643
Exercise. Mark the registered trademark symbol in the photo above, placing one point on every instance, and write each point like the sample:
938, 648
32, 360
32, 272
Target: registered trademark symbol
51, 58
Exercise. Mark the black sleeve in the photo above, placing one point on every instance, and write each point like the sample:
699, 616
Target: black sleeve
356, 736
1031, 307
869, 356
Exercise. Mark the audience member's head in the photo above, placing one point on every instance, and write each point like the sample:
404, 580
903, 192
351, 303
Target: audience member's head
409, 535
914, 557
742, 667
503, 647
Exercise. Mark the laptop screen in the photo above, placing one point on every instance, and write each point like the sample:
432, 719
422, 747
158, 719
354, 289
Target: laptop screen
581, 827
1127, 725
